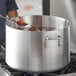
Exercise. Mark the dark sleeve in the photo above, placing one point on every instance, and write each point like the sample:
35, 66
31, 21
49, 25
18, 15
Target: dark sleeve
11, 5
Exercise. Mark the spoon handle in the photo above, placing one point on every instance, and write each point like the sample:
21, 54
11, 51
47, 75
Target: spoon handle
6, 18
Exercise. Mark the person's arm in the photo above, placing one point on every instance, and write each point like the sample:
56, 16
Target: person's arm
12, 13
12, 8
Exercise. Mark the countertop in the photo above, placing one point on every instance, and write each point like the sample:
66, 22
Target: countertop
71, 74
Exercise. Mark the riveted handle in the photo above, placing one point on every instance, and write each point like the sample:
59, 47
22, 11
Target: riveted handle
59, 38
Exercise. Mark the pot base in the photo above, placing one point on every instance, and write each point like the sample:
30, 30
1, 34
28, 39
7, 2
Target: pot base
29, 71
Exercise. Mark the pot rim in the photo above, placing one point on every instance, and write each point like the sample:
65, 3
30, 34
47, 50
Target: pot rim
42, 21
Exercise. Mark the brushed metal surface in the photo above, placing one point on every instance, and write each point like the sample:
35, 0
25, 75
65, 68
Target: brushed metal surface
71, 9
71, 74
39, 51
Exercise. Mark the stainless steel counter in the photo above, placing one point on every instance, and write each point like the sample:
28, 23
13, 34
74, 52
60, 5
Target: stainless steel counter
71, 74
4, 72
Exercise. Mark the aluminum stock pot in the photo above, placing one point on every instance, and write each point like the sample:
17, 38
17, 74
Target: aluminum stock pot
41, 46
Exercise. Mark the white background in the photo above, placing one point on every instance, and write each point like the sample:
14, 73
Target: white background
36, 4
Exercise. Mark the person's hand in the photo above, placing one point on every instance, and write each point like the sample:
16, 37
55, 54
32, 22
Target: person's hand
21, 22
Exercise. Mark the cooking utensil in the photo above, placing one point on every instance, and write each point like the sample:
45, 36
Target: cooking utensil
38, 51
20, 21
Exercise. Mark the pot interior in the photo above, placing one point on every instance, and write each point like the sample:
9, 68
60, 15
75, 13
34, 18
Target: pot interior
39, 23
